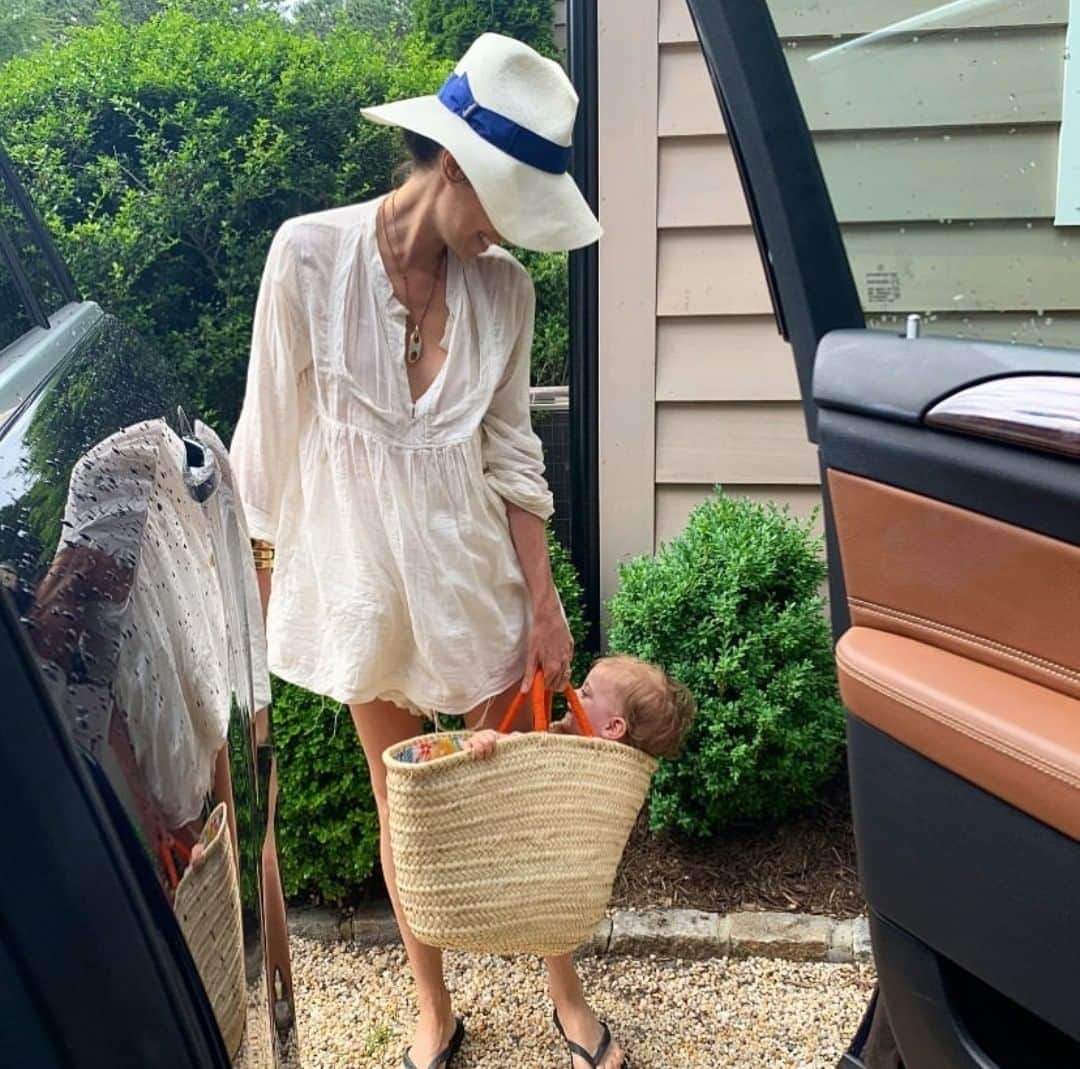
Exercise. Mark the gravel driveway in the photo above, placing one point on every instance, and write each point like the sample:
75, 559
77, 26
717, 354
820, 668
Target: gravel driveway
355, 1008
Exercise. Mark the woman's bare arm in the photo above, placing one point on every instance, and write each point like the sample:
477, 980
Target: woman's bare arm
551, 647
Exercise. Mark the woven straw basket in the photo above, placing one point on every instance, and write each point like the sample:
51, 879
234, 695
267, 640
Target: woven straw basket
516, 854
207, 905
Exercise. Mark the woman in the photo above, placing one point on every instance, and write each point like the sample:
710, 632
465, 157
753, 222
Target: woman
385, 449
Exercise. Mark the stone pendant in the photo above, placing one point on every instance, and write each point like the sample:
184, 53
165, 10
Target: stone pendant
416, 346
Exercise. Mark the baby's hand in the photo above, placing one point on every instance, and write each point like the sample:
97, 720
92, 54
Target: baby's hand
481, 744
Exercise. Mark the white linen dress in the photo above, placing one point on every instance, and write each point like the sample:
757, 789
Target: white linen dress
395, 575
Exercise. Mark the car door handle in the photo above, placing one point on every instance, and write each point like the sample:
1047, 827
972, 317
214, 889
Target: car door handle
1039, 412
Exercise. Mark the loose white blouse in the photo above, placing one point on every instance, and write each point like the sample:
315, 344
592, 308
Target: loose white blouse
395, 575
178, 632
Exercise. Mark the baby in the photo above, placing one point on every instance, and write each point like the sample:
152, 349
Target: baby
625, 700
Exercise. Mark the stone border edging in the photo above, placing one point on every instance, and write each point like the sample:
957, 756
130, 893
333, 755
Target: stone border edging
677, 933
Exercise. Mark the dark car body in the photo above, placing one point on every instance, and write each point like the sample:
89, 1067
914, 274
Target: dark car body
97, 969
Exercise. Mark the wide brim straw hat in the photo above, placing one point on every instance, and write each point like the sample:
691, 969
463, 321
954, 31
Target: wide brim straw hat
506, 115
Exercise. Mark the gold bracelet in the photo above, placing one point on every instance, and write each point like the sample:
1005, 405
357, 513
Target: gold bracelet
263, 552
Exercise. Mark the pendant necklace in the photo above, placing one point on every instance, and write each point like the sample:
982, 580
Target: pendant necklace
416, 341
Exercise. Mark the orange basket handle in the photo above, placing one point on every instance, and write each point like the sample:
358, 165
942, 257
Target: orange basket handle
541, 707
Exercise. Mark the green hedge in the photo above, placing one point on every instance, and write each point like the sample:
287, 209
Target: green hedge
551, 341
163, 155
327, 827
384, 18
453, 25
733, 609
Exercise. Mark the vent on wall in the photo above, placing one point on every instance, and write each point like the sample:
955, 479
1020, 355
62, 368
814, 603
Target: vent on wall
550, 407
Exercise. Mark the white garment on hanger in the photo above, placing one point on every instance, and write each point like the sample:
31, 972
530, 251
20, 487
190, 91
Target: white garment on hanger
179, 632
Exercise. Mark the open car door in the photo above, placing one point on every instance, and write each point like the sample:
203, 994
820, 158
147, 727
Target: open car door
935, 328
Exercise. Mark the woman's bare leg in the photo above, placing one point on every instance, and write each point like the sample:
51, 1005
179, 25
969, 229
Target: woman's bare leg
381, 724
564, 985
576, 1016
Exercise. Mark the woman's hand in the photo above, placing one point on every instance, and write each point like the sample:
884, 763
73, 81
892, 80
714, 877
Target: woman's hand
551, 647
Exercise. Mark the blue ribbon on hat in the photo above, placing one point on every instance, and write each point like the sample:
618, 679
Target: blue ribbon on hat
505, 134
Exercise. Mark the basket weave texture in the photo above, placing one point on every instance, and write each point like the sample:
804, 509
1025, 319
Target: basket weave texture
516, 854
207, 906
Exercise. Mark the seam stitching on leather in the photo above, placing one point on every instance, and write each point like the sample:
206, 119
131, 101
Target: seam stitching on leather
1055, 771
969, 637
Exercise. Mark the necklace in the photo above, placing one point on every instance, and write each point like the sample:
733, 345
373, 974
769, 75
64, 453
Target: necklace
416, 341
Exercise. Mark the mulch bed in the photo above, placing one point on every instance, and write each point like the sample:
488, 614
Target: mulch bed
804, 864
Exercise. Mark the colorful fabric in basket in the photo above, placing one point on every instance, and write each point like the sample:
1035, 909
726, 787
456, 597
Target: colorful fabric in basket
429, 749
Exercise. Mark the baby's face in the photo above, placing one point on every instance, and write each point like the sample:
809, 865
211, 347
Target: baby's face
599, 696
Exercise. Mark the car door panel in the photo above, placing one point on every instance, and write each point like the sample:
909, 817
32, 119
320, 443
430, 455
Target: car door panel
1040, 412
952, 525
1007, 484
977, 883
968, 583
103, 961
960, 672
901, 379
1015, 739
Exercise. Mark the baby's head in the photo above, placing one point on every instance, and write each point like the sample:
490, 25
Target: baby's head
629, 701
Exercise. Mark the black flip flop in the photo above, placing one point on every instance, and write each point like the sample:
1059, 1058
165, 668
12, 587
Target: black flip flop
597, 1055
443, 1059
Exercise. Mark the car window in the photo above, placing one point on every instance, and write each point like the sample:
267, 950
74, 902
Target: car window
20, 248
945, 132
14, 320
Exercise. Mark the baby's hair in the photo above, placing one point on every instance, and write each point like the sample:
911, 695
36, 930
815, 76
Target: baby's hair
658, 709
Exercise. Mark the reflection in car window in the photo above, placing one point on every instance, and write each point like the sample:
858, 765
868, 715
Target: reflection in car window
14, 322
124, 548
938, 126
14, 319
110, 381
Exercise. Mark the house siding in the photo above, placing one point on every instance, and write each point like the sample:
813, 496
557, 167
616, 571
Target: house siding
979, 258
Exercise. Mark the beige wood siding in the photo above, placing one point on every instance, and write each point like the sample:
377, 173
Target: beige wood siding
1010, 266
690, 363
627, 154
906, 180
939, 142
741, 443
558, 25
1011, 84
707, 272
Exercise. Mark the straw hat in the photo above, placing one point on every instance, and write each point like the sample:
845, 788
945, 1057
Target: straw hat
506, 115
